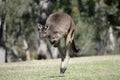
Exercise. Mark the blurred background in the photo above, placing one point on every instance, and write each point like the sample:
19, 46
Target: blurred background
97, 28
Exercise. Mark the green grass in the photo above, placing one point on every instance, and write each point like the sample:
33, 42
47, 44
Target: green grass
84, 68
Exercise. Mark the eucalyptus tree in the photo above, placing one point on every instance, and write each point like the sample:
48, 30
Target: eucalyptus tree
3, 50
104, 16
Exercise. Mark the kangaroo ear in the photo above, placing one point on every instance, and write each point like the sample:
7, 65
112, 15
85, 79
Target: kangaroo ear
39, 26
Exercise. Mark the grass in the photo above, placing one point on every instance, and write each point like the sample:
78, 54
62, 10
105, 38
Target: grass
84, 68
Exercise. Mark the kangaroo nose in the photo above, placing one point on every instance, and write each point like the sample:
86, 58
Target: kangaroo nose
44, 35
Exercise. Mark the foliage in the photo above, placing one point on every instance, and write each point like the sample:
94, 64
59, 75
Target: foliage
99, 15
20, 13
92, 19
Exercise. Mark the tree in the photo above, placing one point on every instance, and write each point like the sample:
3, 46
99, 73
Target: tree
3, 50
102, 14
20, 22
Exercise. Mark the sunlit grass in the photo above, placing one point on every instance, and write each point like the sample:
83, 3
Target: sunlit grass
84, 68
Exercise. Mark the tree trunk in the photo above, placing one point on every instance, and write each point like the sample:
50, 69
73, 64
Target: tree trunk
111, 39
2, 55
55, 52
43, 50
108, 43
15, 35
26, 48
3, 52
15, 56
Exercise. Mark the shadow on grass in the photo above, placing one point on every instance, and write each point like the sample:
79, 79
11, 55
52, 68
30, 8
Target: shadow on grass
56, 76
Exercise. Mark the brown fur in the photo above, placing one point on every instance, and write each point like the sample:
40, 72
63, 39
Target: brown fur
58, 26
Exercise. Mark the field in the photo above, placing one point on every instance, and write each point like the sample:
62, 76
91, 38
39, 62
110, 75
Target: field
81, 68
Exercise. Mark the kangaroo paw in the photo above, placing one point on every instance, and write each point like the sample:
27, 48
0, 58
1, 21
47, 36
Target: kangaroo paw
62, 70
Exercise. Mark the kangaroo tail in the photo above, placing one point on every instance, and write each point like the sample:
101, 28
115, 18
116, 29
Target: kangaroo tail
74, 47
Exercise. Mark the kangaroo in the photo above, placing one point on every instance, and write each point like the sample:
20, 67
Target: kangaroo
58, 26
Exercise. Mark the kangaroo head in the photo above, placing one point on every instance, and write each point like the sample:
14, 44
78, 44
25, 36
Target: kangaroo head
43, 30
